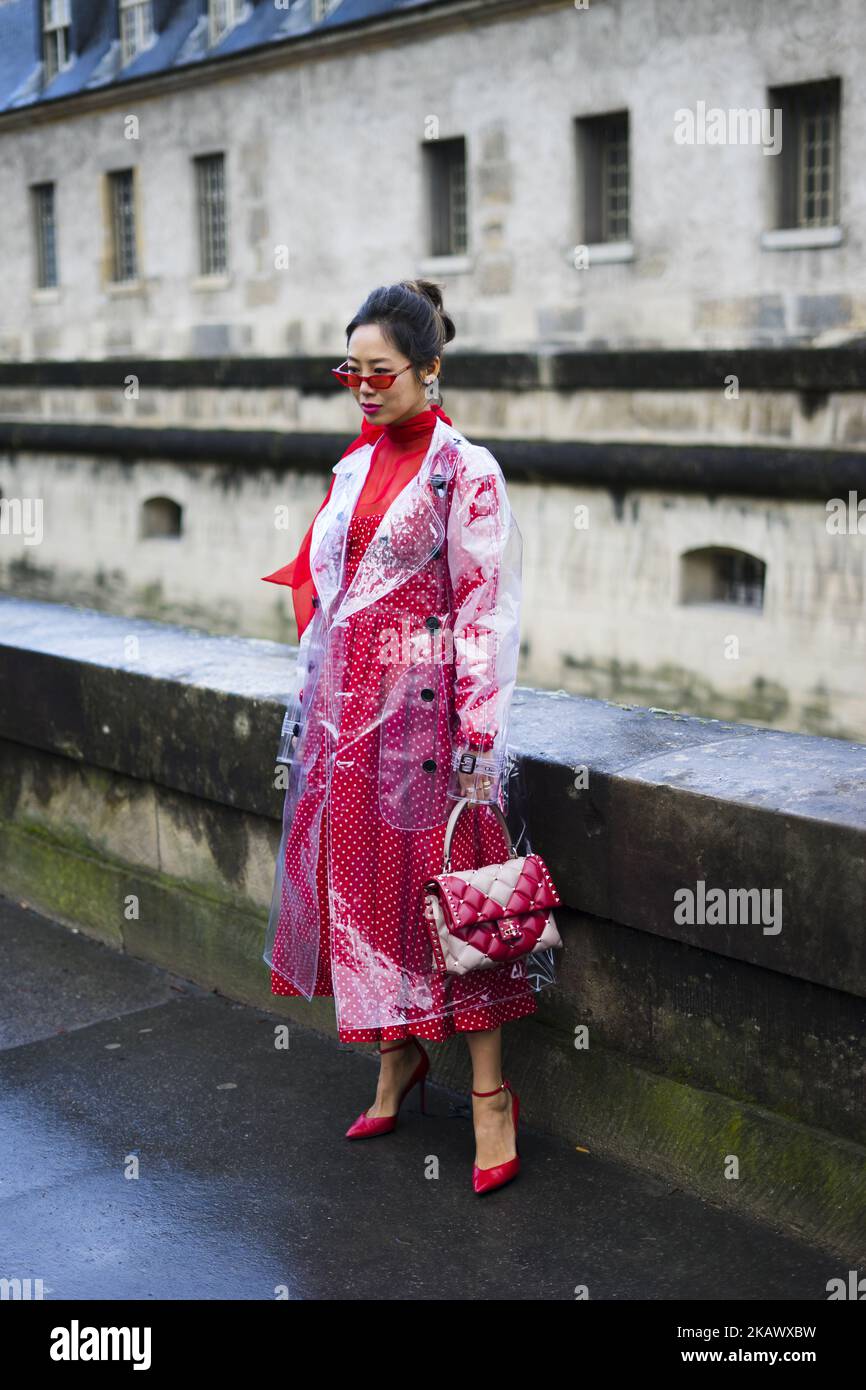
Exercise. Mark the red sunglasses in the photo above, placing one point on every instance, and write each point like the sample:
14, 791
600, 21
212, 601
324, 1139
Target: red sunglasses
379, 381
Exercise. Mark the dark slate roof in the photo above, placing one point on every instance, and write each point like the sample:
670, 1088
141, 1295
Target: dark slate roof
181, 27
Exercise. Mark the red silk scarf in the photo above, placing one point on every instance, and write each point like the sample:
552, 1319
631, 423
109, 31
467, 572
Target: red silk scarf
395, 460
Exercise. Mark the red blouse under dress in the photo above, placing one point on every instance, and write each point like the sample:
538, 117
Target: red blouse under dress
403, 855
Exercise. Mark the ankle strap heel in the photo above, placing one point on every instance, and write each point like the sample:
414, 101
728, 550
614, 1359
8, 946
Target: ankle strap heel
486, 1179
503, 1086
367, 1125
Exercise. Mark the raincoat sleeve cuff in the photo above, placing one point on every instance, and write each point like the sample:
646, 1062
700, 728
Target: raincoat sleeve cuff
484, 556
476, 775
295, 715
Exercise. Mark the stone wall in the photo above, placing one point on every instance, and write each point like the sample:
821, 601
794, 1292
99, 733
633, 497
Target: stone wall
619, 466
138, 803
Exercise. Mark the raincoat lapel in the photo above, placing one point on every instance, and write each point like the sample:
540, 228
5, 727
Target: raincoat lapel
327, 543
372, 579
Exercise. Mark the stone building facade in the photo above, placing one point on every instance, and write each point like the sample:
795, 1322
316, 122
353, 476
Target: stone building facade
648, 220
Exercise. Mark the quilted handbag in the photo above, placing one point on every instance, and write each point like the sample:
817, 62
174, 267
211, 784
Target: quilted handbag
478, 918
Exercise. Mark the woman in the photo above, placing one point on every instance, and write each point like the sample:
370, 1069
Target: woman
406, 591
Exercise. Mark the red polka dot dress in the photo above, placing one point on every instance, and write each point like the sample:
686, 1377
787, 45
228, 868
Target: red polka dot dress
352, 825
401, 854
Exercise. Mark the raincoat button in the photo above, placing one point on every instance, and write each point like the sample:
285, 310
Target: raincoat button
432, 622
315, 603
429, 764
426, 693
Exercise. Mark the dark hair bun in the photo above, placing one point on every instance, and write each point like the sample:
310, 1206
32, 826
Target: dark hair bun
433, 292
411, 316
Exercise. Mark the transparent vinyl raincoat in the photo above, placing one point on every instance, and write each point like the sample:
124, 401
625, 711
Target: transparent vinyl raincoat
404, 677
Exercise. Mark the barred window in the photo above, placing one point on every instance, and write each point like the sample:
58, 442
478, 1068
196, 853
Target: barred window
446, 190
807, 176
603, 158
210, 191
44, 235
122, 193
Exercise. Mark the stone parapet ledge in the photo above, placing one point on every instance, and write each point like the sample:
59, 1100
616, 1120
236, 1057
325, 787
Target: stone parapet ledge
633, 808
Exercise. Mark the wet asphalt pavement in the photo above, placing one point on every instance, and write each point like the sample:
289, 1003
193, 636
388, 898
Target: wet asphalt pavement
155, 1144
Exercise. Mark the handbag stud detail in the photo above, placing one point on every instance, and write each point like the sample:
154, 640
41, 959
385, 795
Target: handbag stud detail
478, 918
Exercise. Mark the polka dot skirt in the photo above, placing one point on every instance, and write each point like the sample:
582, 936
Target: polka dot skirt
408, 858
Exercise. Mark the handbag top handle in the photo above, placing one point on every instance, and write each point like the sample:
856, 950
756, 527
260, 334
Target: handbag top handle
452, 821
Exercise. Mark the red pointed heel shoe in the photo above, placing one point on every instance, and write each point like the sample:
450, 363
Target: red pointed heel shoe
486, 1179
367, 1125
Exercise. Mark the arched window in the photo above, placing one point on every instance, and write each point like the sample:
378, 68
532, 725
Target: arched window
160, 517
721, 574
